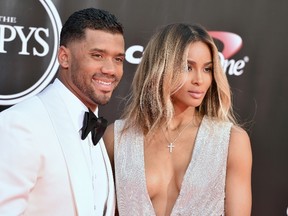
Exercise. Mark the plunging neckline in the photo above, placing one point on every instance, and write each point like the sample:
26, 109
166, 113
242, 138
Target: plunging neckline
187, 173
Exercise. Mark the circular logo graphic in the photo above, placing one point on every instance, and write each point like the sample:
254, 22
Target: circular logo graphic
29, 41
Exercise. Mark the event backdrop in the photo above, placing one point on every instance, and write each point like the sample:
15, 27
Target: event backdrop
251, 36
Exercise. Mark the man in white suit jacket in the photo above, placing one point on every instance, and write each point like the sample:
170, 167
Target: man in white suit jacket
45, 166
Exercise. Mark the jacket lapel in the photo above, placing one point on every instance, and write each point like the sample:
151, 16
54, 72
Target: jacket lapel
70, 144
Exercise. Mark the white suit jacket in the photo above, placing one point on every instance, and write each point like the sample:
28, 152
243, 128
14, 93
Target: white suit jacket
41, 170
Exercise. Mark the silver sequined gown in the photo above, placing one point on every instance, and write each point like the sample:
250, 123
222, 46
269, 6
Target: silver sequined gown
203, 188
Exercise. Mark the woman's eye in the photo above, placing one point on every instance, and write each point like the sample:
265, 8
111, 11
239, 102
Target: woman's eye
208, 69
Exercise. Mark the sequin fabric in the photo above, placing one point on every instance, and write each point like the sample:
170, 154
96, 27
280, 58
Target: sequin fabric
203, 187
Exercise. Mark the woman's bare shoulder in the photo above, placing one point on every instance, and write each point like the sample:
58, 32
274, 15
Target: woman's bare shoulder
239, 146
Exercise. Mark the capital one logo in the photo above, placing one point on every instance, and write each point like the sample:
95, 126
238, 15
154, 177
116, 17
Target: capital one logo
29, 40
232, 43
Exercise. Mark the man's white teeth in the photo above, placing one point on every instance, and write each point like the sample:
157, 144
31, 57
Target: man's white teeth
104, 83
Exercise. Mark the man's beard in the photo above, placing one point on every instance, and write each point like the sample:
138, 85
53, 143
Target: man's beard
89, 92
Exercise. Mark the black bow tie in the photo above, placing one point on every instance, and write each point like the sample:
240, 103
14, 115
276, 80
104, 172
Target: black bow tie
94, 124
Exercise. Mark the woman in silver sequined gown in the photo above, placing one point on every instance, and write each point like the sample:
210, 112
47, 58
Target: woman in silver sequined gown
178, 149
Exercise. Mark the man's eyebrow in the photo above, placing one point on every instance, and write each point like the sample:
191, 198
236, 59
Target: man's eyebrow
97, 50
104, 51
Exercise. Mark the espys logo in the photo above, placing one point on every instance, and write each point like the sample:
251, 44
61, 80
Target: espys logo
29, 40
232, 43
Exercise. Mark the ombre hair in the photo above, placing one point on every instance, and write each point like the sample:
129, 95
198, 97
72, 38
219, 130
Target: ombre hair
159, 74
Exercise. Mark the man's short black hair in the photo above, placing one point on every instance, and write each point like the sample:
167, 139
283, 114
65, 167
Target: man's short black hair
89, 18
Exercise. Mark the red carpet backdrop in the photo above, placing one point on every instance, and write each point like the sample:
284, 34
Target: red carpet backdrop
252, 39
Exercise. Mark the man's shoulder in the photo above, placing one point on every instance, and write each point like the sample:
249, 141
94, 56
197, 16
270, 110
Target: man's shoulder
29, 107
24, 106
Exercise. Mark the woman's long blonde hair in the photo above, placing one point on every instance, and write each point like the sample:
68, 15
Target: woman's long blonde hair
158, 76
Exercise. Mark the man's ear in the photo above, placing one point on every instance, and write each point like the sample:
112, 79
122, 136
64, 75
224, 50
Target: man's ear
63, 56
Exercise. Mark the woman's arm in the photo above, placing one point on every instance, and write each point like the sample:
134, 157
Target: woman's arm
238, 179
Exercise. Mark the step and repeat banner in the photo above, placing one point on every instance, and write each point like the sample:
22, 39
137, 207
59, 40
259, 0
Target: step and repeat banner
252, 39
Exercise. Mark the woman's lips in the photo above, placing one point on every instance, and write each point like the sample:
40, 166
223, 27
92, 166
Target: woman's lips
196, 94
